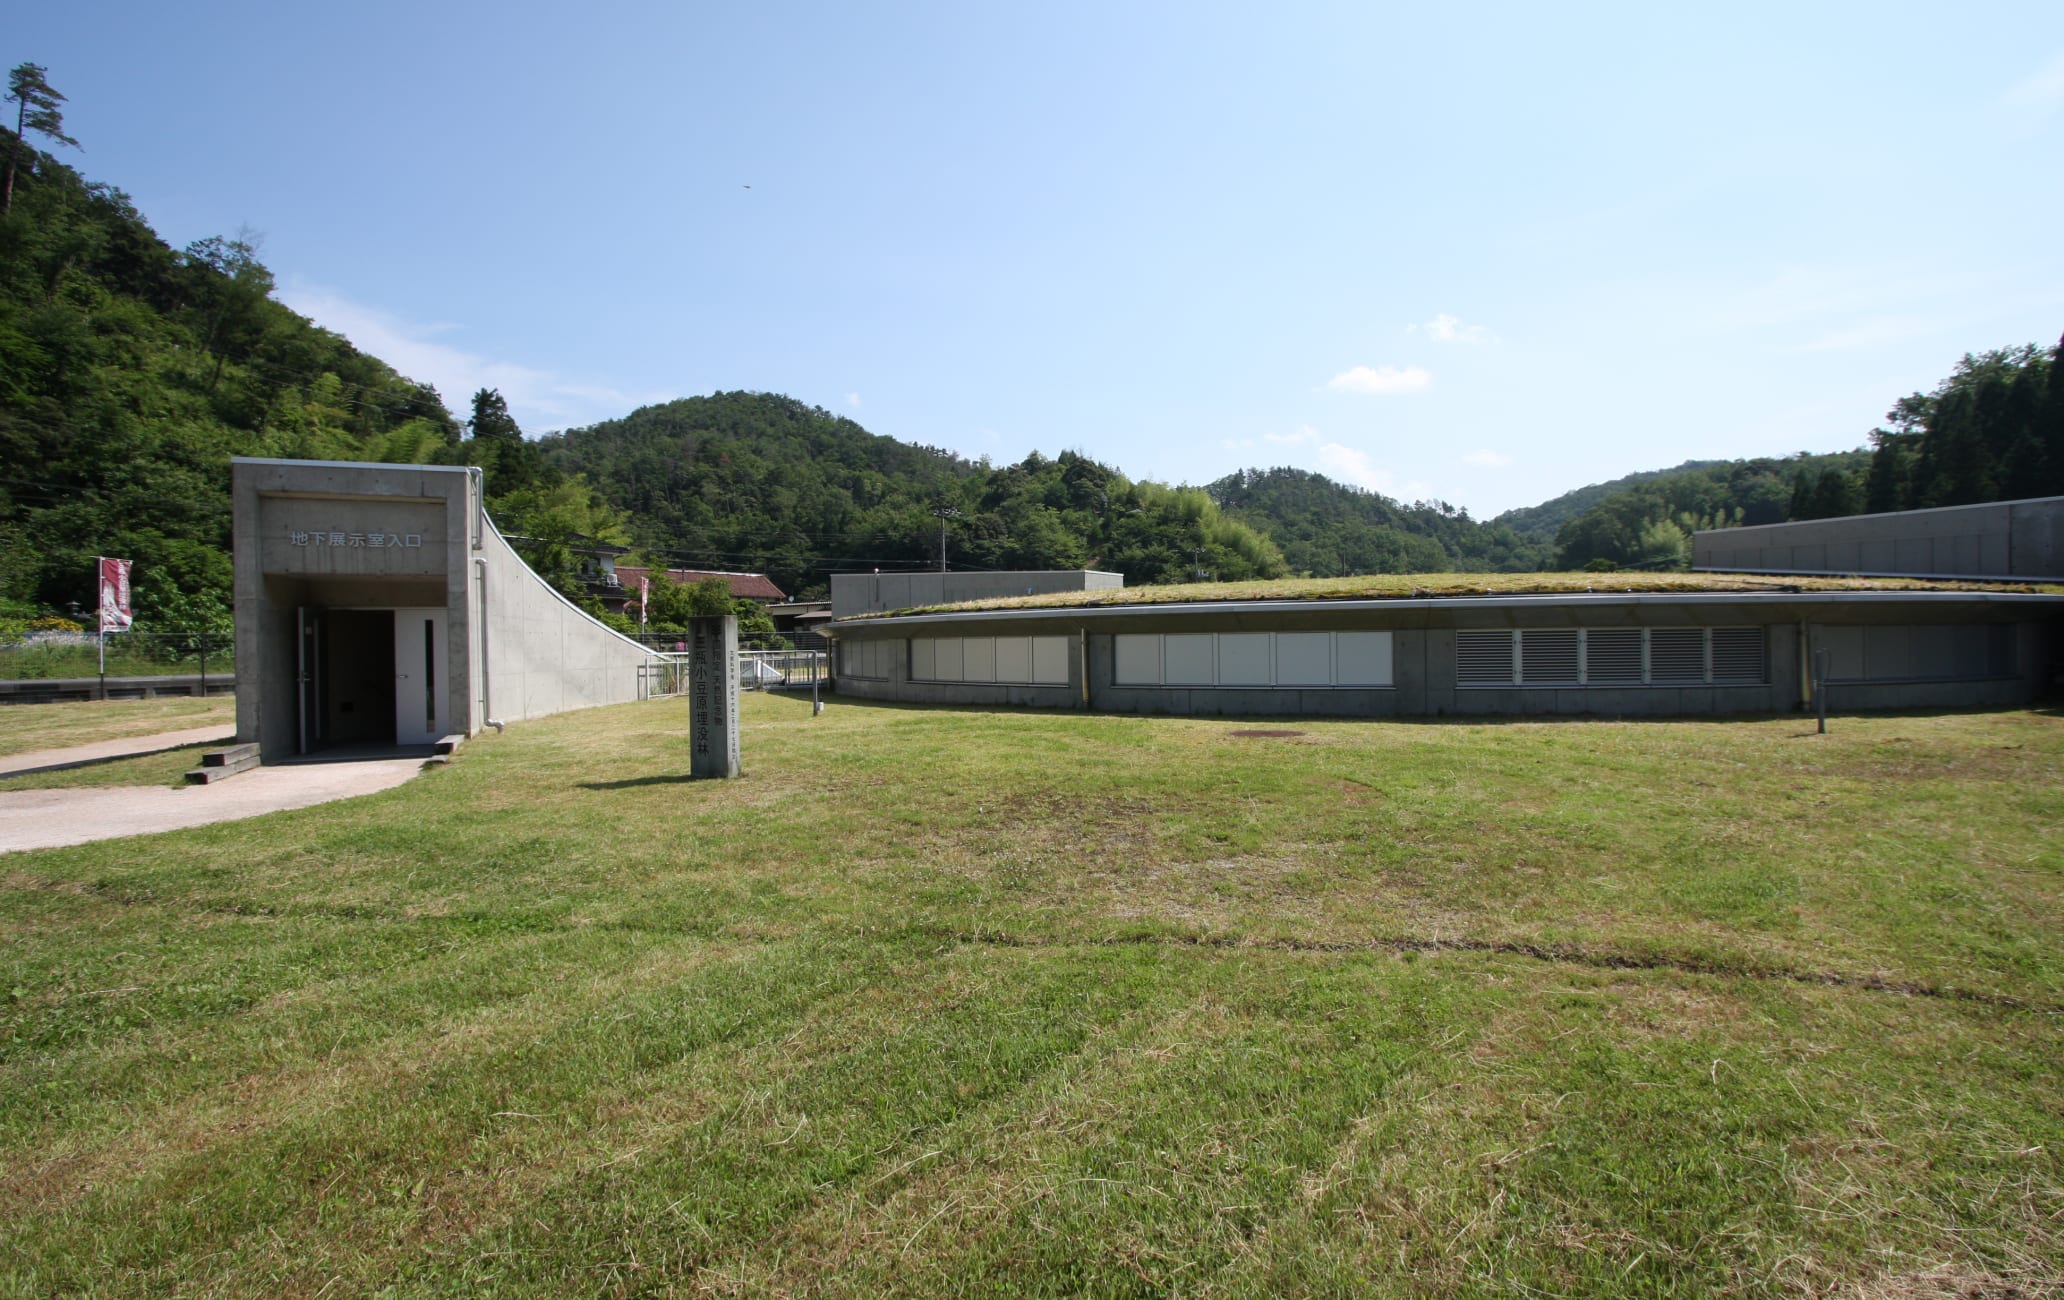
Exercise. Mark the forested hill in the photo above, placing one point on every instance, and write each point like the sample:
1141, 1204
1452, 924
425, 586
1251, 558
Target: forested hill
764, 482
130, 373
1993, 430
1328, 529
1540, 523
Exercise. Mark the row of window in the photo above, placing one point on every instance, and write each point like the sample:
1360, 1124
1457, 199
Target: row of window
1614, 656
1559, 657
1006, 660
1302, 659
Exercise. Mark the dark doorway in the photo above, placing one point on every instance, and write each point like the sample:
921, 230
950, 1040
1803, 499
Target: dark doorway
358, 685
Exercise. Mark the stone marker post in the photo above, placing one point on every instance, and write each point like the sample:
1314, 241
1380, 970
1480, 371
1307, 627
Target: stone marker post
713, 695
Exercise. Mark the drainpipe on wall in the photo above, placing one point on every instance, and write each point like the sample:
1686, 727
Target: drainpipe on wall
1083, 633
1805, 664
486, 672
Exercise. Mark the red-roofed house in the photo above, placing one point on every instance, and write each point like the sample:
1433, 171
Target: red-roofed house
751, 586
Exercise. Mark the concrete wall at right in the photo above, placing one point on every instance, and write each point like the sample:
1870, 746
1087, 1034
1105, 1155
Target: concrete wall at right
2002, 539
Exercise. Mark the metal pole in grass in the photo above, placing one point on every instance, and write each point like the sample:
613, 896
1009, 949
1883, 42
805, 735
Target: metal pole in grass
1820, 671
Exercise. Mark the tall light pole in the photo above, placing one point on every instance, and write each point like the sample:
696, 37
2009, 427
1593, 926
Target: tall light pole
944, 513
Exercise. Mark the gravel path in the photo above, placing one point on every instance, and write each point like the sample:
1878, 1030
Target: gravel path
43, 819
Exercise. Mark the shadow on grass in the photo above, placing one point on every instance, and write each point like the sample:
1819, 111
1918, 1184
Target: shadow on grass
632, 783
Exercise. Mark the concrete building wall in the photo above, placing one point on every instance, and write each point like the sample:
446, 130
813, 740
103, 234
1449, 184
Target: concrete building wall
875, 593
2003, 539
2023, 631
542, 653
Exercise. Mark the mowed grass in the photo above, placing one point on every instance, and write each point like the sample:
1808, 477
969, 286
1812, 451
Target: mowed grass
939, 1003
28, 727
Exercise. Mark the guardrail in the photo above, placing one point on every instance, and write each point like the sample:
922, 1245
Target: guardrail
758, 670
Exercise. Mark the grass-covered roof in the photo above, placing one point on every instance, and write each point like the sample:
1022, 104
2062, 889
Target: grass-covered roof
1410, 586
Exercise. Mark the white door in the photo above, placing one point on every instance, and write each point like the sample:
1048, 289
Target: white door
421, 695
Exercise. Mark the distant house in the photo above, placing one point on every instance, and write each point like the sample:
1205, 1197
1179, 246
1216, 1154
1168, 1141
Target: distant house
749, 586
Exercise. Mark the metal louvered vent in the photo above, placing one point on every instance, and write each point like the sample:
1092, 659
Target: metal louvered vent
1483, 658
1612, 656
1676, 655
1548, 657
1738, 654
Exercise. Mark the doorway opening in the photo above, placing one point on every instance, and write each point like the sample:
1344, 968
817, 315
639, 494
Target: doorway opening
370, 679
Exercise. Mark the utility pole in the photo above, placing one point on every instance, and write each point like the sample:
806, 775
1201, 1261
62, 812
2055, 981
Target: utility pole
943, 514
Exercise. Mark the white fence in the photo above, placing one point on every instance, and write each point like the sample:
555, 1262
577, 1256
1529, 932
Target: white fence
758, 670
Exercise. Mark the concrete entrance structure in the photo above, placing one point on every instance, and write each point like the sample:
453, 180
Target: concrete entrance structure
377, 606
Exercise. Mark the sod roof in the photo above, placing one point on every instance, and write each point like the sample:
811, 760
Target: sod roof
1422, 586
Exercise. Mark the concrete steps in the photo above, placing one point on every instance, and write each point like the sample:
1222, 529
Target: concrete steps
221, 764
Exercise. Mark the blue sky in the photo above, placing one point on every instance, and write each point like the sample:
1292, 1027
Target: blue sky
1476, 253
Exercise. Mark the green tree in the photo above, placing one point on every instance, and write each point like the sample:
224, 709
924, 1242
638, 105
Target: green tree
491, 420
35, 101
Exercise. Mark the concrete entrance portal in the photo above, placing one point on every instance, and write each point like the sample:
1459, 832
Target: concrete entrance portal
378, 607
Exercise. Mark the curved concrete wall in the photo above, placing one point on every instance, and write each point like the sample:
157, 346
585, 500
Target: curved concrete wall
541, 653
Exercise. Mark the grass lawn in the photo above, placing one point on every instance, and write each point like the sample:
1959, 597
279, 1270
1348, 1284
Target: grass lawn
945, 1003
27, 727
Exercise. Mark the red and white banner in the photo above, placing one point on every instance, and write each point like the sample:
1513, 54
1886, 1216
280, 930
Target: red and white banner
114, 595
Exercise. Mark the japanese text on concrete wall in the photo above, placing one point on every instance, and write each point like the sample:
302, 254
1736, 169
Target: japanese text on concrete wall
373, 541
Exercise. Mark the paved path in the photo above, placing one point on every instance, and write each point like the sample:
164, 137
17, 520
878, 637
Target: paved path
42, 819
127, 746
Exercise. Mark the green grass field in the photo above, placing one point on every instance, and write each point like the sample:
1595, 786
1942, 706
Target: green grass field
959, 1003
28, 727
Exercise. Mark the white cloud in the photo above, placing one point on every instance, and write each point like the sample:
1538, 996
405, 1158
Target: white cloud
853, 400
1353, 465
2043, 91
1444, 328
539, 399
1381, 381
1487, 459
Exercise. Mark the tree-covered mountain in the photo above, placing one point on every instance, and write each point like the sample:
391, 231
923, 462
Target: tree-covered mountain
1539, 524
764, 482
1993, 430
1329, 529
131, 372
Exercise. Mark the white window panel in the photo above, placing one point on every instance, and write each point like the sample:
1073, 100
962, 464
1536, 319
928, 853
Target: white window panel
923, 659
1363, 658
1243, 659
980, 662
1304, 659
1139, 660
948, 658
1014, 659
1187, 659
1050, 660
